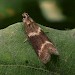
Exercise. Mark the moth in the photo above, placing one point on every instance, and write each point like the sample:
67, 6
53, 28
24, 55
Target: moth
43, 47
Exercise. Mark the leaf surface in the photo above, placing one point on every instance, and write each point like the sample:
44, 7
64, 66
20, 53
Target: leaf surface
17, 56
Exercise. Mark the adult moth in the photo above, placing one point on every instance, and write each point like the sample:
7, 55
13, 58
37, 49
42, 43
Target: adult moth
44, 48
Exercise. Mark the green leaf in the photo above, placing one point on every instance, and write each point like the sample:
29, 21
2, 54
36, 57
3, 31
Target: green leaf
19, 58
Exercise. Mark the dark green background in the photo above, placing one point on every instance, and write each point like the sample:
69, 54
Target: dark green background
32, 7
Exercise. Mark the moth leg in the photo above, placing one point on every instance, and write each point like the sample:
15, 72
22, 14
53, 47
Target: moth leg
46, 32
25, 40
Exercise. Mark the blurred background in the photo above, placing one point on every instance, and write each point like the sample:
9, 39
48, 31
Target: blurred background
58, 14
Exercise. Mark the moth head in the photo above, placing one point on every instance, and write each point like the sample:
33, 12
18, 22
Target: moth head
27, 19
25, 15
